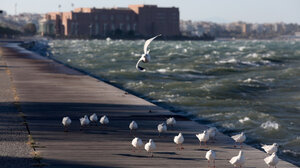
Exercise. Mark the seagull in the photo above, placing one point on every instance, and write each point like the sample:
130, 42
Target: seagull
238, 160
239, 138
212, 133
203, 137
150, 147
133, 126
66, 121
210, 156
161, 128
270, 149
137, 143
94, 118
171, 121
179, 140
146, 56
272, 160
84, 121
104, 120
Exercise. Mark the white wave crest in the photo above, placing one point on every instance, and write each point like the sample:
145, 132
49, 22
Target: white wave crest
245, 119
232, 60
162, 70
252, 55
242, 48
249, 80
270, 125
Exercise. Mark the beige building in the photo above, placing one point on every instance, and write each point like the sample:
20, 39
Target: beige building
144, 20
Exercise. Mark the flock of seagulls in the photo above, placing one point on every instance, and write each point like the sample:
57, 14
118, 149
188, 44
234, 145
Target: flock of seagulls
207, 135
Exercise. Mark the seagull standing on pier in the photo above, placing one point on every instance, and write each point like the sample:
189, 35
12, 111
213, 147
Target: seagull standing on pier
94, 118
212, 133
84, 121
270, 149
150, 147
203, 137
272, 160
133, 126
145, 58
66, 121
239, 138
238, 160
161, 128
104, 120
171, 121
137, 143
211, 157
179, 140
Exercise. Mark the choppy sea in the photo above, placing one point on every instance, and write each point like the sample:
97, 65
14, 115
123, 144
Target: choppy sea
242, 85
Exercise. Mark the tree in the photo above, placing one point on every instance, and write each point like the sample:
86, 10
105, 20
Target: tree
30, 29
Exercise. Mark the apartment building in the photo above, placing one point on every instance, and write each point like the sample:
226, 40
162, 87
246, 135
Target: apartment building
143, 20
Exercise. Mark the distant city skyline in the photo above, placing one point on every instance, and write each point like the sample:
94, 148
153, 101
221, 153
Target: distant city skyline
220, 11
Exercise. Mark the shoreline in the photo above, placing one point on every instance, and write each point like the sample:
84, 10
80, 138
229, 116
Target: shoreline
169, 143
163, 105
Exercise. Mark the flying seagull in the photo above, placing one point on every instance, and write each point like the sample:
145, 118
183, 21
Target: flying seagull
146, 56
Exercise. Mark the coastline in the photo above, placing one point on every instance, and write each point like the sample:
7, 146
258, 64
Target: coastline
192, 144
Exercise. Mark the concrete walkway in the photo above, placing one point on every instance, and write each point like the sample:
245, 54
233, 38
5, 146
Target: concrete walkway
49, 91
14, 152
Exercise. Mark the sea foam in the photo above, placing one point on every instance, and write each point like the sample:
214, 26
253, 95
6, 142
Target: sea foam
270, 125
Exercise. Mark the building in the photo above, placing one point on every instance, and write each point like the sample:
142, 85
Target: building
143, 20
46, 27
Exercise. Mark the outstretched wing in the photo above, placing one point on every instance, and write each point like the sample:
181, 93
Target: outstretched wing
148, 42
138, 67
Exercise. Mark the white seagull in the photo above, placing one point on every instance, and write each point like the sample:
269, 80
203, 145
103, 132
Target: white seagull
161, 128
66, 121
150, 147
272, 160
211, 157
94, 118
133, 126
84, 121
171, 121
146, 56
178, 140
239, 138
238, 160
203, 137
137, 143
270, 149
104, 120
212, 133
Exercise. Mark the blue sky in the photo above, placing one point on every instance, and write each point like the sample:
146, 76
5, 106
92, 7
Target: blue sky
255, 11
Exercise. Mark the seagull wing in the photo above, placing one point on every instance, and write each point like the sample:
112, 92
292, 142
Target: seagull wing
138, 67
148, 42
